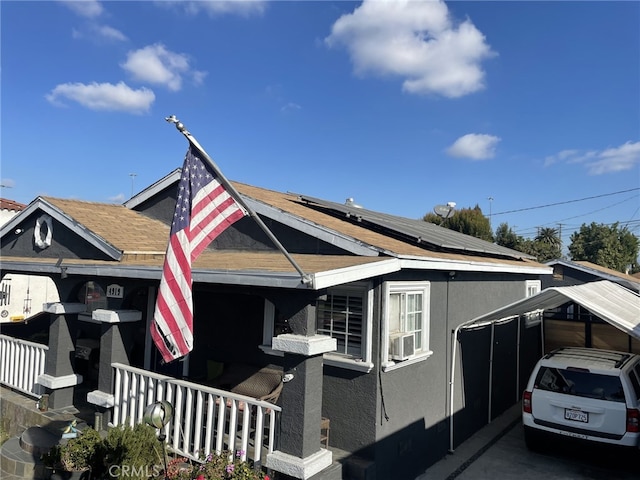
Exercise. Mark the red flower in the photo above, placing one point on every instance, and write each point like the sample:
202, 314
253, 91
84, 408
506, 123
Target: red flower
200, 477
266, 477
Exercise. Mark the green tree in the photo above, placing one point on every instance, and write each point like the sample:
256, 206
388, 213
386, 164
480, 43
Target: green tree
469, 221
547, 245
506, 237
549, 236
609, 246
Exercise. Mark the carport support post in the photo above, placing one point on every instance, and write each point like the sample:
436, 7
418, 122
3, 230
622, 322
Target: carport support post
59, 377
300, 454
116, 341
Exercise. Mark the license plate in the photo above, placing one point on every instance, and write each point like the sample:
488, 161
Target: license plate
576, 415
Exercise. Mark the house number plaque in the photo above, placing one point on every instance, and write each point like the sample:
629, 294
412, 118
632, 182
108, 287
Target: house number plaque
115, 291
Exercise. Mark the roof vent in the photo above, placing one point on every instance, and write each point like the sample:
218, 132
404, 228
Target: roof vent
349, 202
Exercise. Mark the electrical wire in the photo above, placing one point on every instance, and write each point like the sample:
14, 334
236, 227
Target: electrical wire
565, 202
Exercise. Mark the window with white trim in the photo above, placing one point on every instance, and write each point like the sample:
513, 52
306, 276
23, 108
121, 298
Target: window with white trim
532, 288
406, 315
342, 316
274, 324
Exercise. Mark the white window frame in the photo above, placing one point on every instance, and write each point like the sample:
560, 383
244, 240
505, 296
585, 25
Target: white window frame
389, 288
532, 287
268, 327
364, 364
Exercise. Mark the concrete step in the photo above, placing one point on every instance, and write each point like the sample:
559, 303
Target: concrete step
38, 440
17, 464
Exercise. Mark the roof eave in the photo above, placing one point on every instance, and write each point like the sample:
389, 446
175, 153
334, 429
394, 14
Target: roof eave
41, 204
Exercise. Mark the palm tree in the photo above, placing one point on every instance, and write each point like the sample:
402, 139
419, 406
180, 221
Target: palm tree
550, 236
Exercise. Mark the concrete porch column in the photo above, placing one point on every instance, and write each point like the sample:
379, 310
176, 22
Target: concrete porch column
59, 377
300, 454
116, 343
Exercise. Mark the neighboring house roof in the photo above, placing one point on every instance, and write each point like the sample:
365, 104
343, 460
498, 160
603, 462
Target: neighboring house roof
136, 243
6, 204
599, 271
609, 301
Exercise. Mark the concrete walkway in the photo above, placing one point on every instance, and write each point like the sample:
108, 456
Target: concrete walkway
469, 451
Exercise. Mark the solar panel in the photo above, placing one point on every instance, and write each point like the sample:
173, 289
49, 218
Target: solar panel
417, 230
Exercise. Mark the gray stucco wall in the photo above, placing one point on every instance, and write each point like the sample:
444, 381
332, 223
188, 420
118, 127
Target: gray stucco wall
400, 417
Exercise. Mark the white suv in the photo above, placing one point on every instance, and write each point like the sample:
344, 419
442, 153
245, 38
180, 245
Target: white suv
585, 393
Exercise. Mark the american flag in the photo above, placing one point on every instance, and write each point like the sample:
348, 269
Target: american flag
204, 209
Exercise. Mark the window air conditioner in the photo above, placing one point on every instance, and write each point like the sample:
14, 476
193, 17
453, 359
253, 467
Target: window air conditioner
402, 346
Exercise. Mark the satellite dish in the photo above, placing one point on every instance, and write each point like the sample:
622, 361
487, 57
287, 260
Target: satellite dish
445, 211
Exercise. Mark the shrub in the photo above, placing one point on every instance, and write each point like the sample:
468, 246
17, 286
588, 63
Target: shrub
83, 452
125, 452
225, 466
136, 448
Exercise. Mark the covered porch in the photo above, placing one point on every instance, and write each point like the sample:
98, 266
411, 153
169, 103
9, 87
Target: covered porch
273, 424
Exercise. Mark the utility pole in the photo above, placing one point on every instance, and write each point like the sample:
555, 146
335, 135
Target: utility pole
133, 176
490, 202
560, 236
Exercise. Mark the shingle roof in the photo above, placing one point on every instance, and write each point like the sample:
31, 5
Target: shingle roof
295, 205
125, 229
143, 241
608, 271
6, 204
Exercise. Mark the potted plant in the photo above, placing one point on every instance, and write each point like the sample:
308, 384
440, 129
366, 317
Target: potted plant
77, 458
125, 452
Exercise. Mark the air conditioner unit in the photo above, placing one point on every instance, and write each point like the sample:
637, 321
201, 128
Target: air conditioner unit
402, 346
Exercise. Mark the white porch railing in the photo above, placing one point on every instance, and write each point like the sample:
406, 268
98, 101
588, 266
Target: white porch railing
21, 363
204, 419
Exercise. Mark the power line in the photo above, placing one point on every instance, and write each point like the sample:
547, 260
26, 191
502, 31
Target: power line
585, 214
566, 202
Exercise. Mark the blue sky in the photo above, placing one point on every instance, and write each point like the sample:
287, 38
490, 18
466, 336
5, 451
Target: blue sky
399, 105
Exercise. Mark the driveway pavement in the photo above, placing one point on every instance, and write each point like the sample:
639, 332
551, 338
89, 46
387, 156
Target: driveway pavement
498, 451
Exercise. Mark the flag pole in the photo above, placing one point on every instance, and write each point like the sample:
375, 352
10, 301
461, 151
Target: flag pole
306, 278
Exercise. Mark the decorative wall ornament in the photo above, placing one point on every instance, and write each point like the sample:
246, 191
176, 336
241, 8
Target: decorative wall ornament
43, 242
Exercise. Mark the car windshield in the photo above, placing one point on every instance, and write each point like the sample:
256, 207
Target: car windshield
580, 384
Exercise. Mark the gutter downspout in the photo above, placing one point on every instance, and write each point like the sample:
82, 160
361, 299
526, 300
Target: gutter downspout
454, 349
518, 360
493, 336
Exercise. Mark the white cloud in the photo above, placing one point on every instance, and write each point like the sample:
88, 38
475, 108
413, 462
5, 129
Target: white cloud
110, 33
98, 33
218, 7
416, 40
84, 8
599, 162
155, 64
476, 146
290, 106
103, 96
8, 182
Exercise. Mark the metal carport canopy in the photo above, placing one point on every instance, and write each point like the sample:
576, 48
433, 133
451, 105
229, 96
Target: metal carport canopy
609, 301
